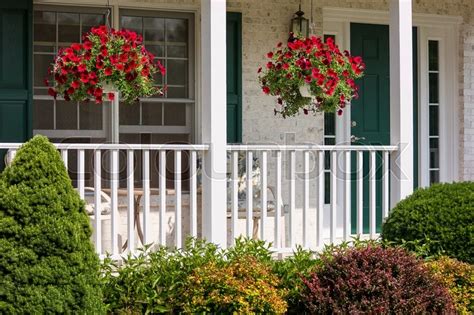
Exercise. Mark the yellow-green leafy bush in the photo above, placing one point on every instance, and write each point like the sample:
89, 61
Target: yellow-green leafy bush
458, 277
243, 286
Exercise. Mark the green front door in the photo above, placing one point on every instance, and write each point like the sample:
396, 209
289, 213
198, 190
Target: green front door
15, 71
234, 77
370, 114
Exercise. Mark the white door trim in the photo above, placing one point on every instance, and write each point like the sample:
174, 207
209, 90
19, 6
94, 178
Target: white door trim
337, 21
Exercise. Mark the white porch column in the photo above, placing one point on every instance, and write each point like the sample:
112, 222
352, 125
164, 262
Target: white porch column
401, 98
214, 127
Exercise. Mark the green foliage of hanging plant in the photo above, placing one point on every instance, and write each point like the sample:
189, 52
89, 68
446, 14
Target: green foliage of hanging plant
47, 261
311, 76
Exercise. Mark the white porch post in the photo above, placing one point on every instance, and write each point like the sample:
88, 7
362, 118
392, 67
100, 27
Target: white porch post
214, 128
401, 98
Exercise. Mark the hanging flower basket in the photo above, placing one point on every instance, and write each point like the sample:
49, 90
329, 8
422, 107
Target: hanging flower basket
106, 61
311, 76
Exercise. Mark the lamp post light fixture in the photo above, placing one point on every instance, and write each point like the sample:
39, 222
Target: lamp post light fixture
299, 24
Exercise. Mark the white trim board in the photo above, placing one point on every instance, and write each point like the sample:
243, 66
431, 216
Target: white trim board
337, 21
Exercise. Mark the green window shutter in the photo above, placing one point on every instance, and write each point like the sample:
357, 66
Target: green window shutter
234, 77
15, 70
16, 18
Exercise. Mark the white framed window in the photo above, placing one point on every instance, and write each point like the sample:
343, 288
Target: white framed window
170, 37
54, 28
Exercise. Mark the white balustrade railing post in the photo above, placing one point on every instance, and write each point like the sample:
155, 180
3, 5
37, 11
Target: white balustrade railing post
214, 128
401, 98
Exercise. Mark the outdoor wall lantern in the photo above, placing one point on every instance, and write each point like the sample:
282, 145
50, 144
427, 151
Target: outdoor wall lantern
300, 24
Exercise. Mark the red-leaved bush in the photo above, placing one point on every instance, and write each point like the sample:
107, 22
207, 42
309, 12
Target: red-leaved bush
374, 280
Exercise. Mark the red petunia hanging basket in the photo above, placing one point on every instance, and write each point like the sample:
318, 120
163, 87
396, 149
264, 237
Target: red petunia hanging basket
107, 60
310, 75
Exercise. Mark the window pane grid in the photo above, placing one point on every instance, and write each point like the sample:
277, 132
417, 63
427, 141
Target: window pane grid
52, 30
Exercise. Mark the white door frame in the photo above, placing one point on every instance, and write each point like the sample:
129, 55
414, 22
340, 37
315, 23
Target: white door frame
445, 29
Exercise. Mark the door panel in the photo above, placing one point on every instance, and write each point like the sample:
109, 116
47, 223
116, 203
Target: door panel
370, 114
234, 77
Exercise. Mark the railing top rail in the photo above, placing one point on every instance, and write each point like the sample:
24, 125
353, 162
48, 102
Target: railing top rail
276, 147
120, 146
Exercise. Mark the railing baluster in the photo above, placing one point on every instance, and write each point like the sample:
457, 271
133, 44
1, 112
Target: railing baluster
385, 197
249, 223
320, 209
64, 157
292, 197
305, 198
131, 200
347, 196
162, 176
372, 192
97, 202
114, 202
178, 221
279, 203
360, 192
146, 197
264, 188
333, 196
81, 171
193, 195
235, 195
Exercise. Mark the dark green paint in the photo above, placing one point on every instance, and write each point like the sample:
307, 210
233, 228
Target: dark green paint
371, 112
16, 54
234, 77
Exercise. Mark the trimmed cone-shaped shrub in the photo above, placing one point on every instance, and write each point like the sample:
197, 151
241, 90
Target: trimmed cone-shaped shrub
47, 261
374, 280
439, 218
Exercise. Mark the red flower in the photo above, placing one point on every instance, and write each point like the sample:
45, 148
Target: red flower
104, 51
99, 64
119, 66
70, 91
286, 66
266, 90
123, 57
76, 47
339, 112
82, 67
52, 92
98, 100
108, 71
98, 92
145, 72
269, 65
114, 59
76, 84
161, 67
270, 54
126, 47
87, 45
110, 96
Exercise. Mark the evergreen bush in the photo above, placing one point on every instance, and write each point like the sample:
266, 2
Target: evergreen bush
47, 261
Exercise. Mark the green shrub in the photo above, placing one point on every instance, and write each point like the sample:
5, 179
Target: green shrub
458, 277
241, 286
154, 280
180, 280
291, 272
374, 280
441, 216
47, 261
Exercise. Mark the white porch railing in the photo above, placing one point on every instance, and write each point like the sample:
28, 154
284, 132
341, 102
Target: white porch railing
299, 194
